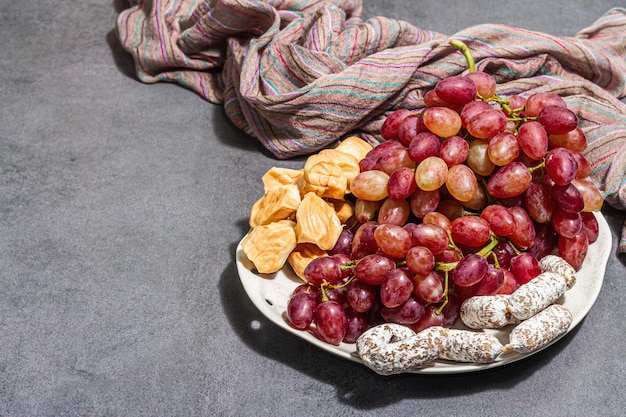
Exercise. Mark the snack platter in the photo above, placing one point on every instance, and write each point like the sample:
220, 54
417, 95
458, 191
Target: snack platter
270, 294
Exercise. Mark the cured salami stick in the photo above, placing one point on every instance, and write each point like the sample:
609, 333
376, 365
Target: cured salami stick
558, 265
470, 346
540, 330
486, 312
405, 355
381, 335
537, 294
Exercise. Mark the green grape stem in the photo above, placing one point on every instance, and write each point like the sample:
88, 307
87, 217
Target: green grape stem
485, 251
466, 53
323, 286
445, 292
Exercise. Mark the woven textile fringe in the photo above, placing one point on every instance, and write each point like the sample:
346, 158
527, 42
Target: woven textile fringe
300, 75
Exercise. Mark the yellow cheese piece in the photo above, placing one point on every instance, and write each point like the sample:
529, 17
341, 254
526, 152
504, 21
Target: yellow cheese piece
329, 173
277, 177
355, 146
277, 204
317, 222
268, 246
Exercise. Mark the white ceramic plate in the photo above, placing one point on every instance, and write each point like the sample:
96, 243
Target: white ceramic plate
270, 294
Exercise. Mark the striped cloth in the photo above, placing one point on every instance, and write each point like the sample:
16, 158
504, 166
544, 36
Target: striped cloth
299, 75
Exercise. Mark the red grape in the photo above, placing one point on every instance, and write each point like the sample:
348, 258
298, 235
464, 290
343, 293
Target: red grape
486, 124
472, 231
389, 129
536, 102
431, 173
491, 283
423, 145
301, 310
408, 313
575, 140
330, 321
510, 283
410, 128
561, 165
500, 220
470, 270
456, 89
485, 83
432, 99
394, 159
590, 226
533, 139
525, 267
557, 120
361, 296
370, 185
371, 269
524, 235
324, 268
432, 236
509, 181
538, 202
461, 182
568, 198
356, 324
503, 149
394, 211
343, 244
429, 287
478, 158
574, 249
583, 165
566, 223
472, 109
454, 150
545, 241
393, 240
420, 260
430, 318
366, 210
451, 310
592, 197
442, 121
401, 183
363, 242
437, 219
423, 202
396, 288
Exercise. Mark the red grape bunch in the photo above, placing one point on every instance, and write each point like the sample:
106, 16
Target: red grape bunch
462, 199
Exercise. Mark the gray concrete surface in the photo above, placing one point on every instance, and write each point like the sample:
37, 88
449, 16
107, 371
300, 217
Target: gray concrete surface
121, 205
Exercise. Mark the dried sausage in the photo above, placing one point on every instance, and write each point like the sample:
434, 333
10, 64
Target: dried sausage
558, 265
486, 312
540, 330
470, 346
537, 294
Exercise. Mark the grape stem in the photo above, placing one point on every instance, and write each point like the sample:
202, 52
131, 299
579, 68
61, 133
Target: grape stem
445, 293
466, 53
323, 290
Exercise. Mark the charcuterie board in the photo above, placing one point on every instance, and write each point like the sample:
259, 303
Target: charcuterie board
270, 294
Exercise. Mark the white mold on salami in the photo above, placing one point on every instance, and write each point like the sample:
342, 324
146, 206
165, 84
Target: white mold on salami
392, 348
486, 312
471, 346
536, 295
539, 330
381, 335
558, 265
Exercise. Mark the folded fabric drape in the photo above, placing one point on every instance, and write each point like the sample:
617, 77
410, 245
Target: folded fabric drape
299, 75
